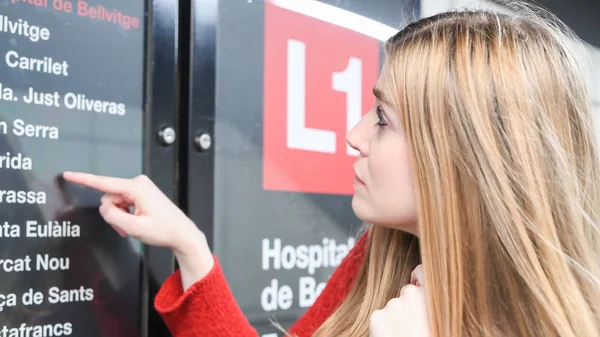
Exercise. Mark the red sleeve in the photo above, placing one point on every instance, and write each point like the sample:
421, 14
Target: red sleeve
208, 307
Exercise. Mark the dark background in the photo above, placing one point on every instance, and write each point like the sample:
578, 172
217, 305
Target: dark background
580, 15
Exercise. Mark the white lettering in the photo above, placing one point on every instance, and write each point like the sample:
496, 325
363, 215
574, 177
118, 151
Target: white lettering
8, 300
16, 265
299, 136
45, 262
52, 229
268, 253
31, 298
10, 231
23, 28
20, 128
309, 290
309, 257
349, 81
273, 297
315, 258
288, 257
15, 162
326, 252
6, 93
46, 330
302, 257
45, 65
81, 102
56, 295
49, 99
22, 197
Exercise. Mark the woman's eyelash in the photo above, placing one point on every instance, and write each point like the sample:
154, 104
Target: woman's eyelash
380, 120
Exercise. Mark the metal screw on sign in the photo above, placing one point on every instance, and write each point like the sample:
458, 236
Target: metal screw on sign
167, 136
203, 141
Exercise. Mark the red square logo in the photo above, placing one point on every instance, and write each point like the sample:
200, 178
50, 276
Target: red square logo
318, 80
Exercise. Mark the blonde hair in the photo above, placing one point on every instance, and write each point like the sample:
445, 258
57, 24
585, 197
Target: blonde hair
499, 124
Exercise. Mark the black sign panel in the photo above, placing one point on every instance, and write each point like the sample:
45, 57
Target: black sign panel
291, 77
71, 95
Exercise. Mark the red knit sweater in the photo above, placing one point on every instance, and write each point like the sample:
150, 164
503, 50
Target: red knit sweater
208, 307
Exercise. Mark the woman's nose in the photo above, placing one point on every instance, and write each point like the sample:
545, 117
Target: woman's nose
355, 138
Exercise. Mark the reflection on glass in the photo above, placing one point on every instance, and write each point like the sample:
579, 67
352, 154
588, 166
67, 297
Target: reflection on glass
71, 91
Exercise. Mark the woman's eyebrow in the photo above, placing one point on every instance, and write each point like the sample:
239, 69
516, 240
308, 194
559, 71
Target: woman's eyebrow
379, 94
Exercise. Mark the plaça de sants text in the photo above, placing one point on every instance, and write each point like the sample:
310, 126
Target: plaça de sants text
34, 229
55, 296
47, 330
42, 262
70, 100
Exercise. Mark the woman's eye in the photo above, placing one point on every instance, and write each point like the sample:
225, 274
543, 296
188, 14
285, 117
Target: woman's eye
380, 120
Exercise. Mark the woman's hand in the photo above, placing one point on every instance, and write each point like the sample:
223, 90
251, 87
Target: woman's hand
156, 220
406, 315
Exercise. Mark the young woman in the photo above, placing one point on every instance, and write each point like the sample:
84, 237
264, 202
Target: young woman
479, 160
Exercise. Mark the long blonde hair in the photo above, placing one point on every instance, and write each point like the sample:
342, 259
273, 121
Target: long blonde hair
499, 124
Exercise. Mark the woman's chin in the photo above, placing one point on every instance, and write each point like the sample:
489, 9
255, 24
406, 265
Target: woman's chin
361, 209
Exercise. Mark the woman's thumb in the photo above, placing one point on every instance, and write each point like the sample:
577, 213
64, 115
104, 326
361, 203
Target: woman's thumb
123, 221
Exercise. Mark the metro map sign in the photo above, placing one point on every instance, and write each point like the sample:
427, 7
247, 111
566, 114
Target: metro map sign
318, 81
